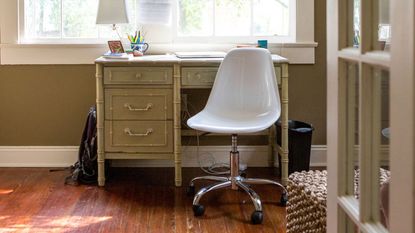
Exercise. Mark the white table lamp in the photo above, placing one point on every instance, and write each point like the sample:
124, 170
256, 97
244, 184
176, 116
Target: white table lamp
113, 12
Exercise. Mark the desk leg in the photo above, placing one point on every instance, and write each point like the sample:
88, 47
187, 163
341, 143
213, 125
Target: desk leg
100, 125
271, 145
284, 125
177, 127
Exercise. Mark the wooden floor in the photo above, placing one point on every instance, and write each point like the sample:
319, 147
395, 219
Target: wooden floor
134, 200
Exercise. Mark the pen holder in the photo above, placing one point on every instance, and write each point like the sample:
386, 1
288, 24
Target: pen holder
141, 47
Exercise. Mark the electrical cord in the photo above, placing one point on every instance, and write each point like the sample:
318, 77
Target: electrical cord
214, 168
206, 160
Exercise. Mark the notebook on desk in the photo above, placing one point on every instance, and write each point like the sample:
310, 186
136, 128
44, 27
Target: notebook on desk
200, 54
121, 56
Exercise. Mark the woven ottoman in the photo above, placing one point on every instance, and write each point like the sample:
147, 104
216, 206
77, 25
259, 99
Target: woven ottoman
307, 195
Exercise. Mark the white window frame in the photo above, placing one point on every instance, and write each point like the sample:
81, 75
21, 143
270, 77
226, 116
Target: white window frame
13, 51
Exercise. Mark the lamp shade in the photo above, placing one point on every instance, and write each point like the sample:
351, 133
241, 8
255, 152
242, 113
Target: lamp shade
112, 12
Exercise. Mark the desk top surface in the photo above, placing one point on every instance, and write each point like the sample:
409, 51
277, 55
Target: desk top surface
172, 59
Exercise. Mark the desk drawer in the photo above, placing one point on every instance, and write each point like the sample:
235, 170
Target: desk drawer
138, 104
205, 76
139, 136
199, 76
138, 75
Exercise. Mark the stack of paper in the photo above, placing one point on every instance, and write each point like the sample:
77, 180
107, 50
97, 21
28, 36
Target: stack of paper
116, 56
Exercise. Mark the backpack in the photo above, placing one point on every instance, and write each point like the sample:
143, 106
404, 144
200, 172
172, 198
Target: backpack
85, 170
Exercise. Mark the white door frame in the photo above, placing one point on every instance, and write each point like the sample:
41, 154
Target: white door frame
402, 192
333, 116
401, 64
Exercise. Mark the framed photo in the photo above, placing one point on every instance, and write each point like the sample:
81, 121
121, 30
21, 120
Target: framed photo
115, 46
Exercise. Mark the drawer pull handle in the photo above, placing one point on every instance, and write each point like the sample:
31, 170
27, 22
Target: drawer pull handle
129, 133
149, 106
138, 75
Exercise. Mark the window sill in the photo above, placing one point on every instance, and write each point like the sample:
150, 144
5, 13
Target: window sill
46, 53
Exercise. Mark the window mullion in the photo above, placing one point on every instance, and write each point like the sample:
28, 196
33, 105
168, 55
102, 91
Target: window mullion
61, 19
366, 24
22, 22
369, 142
34, 16
252, 18
349, 161
214, 18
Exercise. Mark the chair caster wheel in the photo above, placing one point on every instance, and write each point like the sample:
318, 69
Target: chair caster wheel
190, 191
283, 199
256, 217
198, 210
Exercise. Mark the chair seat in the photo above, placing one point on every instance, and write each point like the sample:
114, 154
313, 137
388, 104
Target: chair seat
234, 124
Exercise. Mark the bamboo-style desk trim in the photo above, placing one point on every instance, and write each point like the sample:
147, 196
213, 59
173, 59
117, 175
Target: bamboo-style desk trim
177, 64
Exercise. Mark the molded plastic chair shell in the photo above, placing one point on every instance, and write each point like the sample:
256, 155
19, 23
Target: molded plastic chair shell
244, 97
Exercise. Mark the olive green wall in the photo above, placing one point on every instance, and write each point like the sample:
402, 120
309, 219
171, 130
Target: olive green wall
44, 105
47, 105
307, 85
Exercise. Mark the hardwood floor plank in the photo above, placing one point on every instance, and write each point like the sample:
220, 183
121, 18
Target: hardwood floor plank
139, 200
57, 209
26, 200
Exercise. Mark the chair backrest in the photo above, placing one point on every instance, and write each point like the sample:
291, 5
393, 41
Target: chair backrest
245, 84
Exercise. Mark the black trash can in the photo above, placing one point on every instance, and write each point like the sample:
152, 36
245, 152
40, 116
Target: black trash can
299, 145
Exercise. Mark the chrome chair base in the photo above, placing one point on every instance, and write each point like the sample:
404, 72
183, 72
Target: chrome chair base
242, 183
235, 181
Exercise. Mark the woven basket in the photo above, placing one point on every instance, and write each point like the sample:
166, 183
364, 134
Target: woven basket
307, 195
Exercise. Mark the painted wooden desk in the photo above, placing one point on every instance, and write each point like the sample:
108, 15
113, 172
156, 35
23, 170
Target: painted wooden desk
138, 107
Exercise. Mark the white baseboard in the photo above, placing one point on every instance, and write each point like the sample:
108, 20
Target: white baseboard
38, 156
64, 156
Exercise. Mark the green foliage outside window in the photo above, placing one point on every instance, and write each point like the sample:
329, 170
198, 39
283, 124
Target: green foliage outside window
191, 15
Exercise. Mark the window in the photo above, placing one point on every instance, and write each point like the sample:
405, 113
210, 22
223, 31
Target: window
234, 18
75, 19
67, 19
30, 27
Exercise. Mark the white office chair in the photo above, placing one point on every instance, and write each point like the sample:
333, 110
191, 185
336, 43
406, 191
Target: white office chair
244, 99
